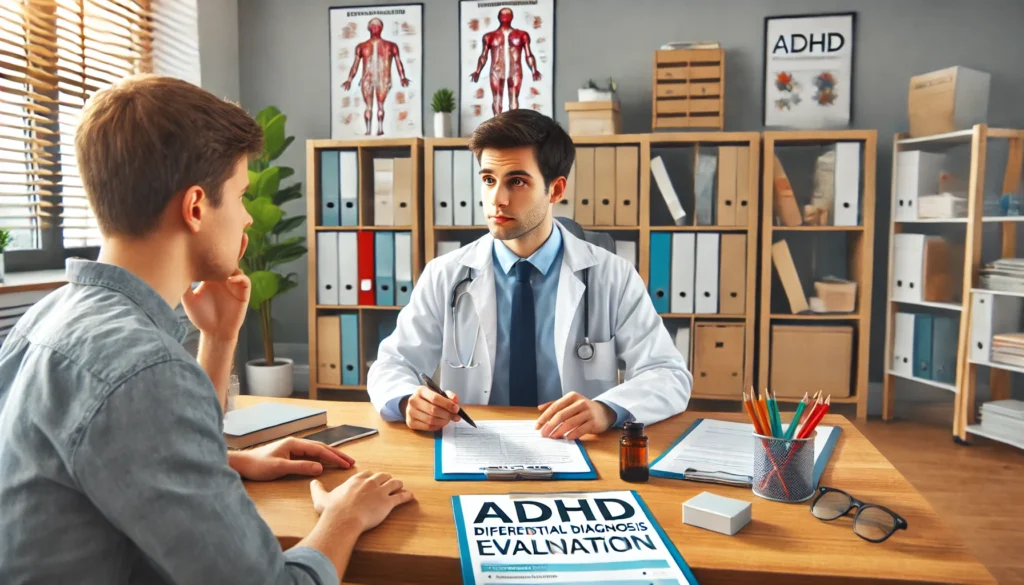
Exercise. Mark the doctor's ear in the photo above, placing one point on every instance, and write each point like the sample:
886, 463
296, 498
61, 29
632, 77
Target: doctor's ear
556, 190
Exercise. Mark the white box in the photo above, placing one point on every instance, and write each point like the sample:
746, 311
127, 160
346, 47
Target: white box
717, 513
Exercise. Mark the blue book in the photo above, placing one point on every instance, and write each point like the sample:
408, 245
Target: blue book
661, 270
923, 346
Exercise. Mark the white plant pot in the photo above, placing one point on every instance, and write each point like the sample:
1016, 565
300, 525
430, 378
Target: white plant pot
273, 380
587, 94
442, 124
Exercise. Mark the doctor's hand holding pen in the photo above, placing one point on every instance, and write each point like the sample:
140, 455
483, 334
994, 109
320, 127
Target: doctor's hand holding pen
426, 410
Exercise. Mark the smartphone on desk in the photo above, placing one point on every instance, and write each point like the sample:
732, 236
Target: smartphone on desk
335, 436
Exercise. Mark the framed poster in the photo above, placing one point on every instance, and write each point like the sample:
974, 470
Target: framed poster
808, 70
506, 60
376, 71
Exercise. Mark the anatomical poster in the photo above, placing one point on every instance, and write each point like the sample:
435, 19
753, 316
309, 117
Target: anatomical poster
507, 59
376, 71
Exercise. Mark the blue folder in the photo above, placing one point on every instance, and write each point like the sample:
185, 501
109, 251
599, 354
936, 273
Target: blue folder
439, 476
384, 251
661, 270
350, 349
945, 337
923, 346
819, 464
330, 188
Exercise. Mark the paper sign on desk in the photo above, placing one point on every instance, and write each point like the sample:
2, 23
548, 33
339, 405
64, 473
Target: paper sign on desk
462, 452
594, 537
723, 452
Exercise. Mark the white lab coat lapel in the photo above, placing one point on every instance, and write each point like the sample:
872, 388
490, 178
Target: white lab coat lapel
484, 297
575, 257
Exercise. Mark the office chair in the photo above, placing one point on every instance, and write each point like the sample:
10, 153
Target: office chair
601, 239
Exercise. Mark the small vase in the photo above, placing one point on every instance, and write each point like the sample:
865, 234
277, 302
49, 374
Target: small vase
442, 124
275, 380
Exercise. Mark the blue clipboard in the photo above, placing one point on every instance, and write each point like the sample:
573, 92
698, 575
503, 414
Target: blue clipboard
438, 476
467, 569
819, 465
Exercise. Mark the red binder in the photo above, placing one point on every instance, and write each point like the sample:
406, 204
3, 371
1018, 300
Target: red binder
367, 290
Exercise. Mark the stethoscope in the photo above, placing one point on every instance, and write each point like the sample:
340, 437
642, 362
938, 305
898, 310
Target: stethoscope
584, 349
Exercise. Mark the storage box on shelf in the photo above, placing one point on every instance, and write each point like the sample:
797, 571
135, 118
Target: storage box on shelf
935, 256
364, 253
819, 199
689, 89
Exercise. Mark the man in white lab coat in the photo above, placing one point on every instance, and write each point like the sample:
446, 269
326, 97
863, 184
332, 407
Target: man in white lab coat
529, 315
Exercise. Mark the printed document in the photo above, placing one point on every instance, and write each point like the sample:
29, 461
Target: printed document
506, 442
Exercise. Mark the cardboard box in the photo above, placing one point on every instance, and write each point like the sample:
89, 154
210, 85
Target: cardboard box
947, 100
718, 359
808, 358
836, 296
593, 118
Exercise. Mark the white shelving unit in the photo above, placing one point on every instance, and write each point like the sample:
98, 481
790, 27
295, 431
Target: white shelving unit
977, 138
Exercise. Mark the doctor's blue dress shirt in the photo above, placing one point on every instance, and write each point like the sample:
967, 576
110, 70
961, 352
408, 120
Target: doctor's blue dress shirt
548, 261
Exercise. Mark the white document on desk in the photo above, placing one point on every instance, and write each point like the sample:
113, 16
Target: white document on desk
506, 442
722, 452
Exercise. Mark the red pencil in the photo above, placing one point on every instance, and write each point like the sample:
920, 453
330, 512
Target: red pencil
813, 422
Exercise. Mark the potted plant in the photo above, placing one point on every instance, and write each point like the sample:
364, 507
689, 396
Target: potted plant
590, 92
5, 240
269, 248
444, 105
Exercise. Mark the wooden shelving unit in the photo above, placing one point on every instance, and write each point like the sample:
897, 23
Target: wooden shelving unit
964, 387
860, 239
369, 315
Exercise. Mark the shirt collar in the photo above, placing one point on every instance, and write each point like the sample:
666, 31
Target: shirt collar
89, 273
542, 259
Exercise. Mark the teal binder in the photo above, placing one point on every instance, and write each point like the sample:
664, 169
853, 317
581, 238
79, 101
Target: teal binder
330, 188
945, 337
923, 346
661, 270
350, 349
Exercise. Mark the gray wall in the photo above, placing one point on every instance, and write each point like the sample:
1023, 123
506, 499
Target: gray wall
218, 47
283, 60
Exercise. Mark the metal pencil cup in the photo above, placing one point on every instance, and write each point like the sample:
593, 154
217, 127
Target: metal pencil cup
784, 470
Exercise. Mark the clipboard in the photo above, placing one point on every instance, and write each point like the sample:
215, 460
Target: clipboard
739, 481
482, 476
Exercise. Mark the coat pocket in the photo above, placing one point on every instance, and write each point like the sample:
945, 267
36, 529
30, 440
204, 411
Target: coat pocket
605, 365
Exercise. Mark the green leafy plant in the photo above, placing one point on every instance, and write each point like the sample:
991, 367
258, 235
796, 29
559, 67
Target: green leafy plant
612, 86
268, 245
5, 239
444, 100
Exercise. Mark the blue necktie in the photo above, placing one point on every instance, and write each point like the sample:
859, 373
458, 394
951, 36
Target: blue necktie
522, 370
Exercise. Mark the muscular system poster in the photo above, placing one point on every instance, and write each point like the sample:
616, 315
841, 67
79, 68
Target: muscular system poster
376, 71
507, 58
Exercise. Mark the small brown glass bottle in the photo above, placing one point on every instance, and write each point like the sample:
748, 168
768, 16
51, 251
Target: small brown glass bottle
633, 453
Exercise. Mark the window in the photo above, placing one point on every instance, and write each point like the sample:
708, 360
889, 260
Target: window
54, 54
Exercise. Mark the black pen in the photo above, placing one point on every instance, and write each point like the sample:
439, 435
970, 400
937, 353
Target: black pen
430, 384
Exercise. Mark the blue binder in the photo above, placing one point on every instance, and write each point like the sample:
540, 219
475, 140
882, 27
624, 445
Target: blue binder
350, 349
923, 346
945, 337
661, 270
330, 188
384, 250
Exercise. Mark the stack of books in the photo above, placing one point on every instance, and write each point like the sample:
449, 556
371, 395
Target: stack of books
1005, 274
1008, 348
1004, 418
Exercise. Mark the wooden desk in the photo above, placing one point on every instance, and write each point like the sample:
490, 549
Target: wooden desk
783, 544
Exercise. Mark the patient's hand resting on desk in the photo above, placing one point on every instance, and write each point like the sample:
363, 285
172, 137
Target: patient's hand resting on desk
287, 456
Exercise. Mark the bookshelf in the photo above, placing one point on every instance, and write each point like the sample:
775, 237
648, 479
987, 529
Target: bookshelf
652, 216
964, 155
798, 151
373, 319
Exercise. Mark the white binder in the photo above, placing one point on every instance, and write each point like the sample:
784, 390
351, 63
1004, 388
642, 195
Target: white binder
383, 191
683, 343
847, 184
348, 268
992, 314
626, 249
903, 345
567, 206
349, 188
683, 262
908, 266
327, 268
443, 187
462, 187
706, 274
917, 173
403, 267
479, 214
443, 247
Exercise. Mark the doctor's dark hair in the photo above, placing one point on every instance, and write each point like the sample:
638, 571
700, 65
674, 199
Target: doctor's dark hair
554, 150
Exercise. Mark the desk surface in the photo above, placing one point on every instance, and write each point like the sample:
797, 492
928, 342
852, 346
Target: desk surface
783, 544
